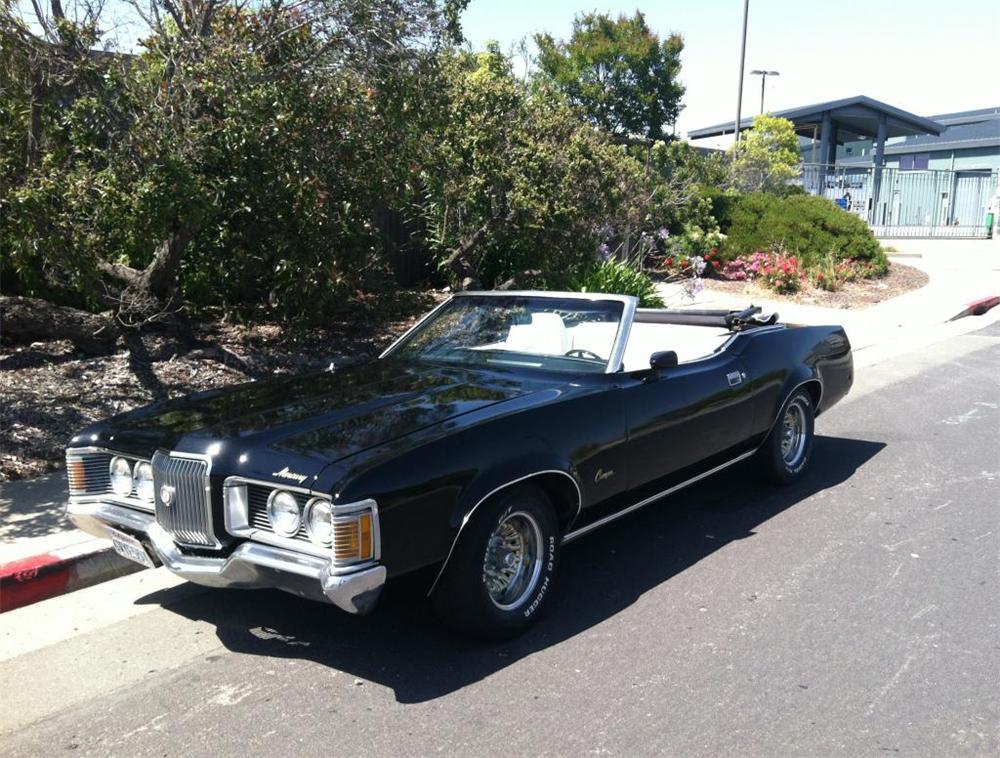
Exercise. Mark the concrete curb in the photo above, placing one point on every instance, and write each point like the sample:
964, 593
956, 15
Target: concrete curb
40, 577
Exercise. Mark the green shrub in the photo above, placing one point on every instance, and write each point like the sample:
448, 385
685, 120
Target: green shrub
812, 228
613, 277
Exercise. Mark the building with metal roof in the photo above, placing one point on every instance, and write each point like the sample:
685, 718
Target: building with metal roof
907, 175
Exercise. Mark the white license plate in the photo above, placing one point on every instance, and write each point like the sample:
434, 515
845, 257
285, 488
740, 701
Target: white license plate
129, 547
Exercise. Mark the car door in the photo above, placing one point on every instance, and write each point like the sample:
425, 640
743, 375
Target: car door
680, 416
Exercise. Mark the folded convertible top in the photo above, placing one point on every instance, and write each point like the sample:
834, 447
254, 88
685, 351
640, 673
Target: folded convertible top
734, 321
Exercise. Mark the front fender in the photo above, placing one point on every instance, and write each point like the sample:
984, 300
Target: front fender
490, 481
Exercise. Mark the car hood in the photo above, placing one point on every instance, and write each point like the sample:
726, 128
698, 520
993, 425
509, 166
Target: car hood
312, 420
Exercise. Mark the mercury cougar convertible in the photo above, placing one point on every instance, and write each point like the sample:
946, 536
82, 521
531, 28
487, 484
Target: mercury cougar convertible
499, 428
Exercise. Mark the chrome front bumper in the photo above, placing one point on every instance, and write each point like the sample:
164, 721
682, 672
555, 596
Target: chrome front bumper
249, 566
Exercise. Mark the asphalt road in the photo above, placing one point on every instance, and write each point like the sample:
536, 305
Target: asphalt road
855, 613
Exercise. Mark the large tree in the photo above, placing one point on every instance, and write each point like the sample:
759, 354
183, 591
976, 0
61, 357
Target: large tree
236, 154
623, 77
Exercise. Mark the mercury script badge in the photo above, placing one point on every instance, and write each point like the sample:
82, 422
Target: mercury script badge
286, 474
166, 494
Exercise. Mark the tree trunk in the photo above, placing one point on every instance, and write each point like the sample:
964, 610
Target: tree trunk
28, 319
150, 293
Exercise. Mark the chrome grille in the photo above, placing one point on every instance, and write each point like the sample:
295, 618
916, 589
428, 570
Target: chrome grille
88, 476
257, 496
188, 517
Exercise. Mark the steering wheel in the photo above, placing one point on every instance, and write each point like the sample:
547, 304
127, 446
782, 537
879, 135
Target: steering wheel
578, 353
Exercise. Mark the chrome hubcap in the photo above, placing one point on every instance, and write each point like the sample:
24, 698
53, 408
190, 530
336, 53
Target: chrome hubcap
793, 434
513, 560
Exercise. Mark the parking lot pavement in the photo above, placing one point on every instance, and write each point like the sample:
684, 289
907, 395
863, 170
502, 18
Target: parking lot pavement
854, 613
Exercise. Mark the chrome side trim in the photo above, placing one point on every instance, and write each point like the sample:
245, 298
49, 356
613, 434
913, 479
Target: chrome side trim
636, 506
491, 493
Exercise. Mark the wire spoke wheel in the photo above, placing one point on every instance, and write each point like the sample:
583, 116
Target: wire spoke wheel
513, 560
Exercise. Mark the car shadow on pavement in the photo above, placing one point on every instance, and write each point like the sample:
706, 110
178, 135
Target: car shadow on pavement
402, 646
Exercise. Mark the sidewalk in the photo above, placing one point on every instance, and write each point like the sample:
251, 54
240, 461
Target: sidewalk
961, 272
41, 553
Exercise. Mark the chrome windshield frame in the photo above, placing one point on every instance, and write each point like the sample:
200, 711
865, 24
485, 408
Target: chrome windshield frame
614, 362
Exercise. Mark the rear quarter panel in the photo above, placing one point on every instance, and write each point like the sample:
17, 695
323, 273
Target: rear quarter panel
780, 359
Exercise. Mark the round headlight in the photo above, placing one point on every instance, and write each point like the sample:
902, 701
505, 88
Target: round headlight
121, 476
319, 521
283, 513
142, 479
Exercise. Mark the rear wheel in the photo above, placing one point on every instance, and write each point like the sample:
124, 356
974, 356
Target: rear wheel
787, 450
503, 566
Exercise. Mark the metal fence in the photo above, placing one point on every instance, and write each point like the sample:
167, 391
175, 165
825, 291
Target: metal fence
898, 203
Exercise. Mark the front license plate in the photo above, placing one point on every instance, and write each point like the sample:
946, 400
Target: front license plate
129, 547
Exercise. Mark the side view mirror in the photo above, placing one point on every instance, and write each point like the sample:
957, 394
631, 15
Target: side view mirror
663, 359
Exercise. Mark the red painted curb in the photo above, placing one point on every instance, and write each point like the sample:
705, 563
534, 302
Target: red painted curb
33, 579
978, 307
44, 576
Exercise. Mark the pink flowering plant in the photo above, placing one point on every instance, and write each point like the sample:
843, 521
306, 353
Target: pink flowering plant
776, 270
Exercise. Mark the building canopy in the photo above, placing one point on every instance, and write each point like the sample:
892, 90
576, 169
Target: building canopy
854, 118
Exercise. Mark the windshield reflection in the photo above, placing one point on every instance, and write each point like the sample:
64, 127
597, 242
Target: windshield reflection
551, 333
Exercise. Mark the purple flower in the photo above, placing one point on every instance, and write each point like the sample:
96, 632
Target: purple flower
698, 264
604, 251
663, 232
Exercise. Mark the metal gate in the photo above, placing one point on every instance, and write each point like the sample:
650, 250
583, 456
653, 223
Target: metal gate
917, 203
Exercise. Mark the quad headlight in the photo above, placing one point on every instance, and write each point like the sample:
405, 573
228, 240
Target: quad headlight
142, 480
319, 521
121, 476
284, 513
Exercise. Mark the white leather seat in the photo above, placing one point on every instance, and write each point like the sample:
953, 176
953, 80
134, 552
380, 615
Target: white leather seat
545, 335
689, 342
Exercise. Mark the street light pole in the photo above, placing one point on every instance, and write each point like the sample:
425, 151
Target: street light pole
763, 78
743, 55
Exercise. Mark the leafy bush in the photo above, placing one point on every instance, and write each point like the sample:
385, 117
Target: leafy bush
613, 277
812, 228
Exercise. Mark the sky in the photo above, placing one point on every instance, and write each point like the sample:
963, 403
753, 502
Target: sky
926, 57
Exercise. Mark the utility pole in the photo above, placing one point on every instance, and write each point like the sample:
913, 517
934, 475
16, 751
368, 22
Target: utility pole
763, 78
743, 55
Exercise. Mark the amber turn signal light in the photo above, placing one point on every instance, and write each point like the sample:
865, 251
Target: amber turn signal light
352, 538
77, 475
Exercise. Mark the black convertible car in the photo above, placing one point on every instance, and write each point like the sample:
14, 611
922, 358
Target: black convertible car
499, 428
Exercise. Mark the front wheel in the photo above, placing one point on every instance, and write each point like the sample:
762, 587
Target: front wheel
788, 447
503, 567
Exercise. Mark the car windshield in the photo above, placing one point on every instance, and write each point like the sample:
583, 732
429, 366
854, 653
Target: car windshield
553, 333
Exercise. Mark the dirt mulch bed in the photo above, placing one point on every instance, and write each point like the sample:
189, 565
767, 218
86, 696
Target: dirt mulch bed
48, 391
861, 294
